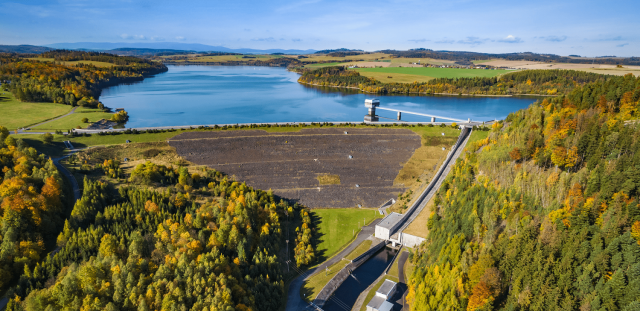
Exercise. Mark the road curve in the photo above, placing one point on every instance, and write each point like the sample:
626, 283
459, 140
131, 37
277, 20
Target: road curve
294, 302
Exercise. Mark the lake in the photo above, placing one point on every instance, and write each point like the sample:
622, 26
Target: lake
194, 95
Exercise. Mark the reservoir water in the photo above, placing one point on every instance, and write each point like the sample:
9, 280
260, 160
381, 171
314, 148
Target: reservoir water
194, 95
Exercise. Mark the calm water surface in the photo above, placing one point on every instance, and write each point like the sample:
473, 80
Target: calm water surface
193, 95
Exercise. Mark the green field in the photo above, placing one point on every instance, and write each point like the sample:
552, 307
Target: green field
56, 149
435, 72
74, 119
338, 226
17, 114
324, 65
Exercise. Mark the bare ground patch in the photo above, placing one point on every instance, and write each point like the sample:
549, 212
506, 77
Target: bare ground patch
290, 162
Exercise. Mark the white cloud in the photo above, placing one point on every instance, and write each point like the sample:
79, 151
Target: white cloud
132, 37
511, 39
180, 38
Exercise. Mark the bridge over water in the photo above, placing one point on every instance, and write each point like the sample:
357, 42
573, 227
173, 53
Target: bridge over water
373, 104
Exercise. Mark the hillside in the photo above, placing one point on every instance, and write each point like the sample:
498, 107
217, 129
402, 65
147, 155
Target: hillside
543, 214
47, 79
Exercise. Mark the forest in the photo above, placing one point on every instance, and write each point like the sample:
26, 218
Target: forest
541, 82
202, 241
542, 214
33, 200
80, 84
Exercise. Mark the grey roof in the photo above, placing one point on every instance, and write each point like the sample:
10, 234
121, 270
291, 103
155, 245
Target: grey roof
386, 287
386, 306
390, 220
376, 302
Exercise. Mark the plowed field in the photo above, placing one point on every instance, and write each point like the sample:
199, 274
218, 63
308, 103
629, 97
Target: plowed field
290, 163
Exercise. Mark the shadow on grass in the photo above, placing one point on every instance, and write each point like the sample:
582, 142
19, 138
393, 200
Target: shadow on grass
54, 149
306, 292
316, 221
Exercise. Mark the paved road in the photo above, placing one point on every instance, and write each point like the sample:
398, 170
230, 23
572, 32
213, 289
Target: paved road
401, 278
294, 302
66, 173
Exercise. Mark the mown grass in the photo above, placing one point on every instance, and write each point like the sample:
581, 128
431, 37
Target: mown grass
339, 226
435, 72
17, 114
57, 148
363, 247
74, 120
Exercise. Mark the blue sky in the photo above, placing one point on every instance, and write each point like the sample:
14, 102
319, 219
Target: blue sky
588, 28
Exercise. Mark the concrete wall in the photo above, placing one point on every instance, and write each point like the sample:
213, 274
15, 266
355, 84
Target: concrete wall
411, 240
382, 233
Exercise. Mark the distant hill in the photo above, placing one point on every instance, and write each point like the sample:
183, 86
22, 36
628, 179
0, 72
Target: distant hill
24, 48
196, 47
146, 52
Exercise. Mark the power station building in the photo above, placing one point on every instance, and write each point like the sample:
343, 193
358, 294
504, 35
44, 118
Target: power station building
380, 302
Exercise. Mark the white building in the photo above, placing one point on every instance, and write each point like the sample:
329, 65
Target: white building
383, 228
380, 302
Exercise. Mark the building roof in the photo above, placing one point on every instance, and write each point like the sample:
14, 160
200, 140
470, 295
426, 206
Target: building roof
386, 306
376, 302
386, 287
390, 220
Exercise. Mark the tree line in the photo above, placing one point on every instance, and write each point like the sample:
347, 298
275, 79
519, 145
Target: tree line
533, 82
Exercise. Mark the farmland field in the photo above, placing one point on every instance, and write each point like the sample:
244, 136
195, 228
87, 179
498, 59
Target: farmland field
434, 72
